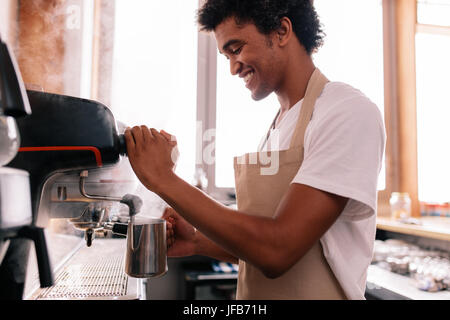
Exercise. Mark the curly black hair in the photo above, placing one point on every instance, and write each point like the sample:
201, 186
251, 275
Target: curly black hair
266, 15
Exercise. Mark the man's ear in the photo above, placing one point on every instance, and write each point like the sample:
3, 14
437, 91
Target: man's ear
284, 32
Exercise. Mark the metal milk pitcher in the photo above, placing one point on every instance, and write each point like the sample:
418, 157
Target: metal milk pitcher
146, 255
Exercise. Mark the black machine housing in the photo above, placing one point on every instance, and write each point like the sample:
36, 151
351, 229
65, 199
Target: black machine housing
62, 135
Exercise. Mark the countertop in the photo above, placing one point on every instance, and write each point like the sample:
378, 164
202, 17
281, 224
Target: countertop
379, 279
60, 248
84, 273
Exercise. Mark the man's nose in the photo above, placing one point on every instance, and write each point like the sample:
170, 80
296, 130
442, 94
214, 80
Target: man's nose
235, 67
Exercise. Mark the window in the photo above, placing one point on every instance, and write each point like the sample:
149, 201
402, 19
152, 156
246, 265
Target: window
155, 71
353, 48
353, 53
433, 99
241, 122
433, 12
5, 20
79, 26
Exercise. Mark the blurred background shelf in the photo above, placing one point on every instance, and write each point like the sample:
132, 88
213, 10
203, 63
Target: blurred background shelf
429, 227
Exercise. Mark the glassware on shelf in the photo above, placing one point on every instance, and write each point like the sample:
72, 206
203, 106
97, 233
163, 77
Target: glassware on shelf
400, 205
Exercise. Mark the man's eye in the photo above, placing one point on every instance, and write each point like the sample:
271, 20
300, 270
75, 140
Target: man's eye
237, 51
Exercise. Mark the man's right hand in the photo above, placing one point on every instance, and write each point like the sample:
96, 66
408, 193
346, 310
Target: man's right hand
180, 235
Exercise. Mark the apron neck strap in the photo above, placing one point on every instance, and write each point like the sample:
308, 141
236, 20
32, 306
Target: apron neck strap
315, 87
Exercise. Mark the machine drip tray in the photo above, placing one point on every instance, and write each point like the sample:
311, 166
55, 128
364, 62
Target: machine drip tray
95, 273
90, 280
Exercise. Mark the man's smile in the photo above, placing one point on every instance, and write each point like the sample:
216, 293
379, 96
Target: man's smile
248, 77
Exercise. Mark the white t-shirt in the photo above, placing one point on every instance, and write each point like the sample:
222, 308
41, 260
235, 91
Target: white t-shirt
344, 147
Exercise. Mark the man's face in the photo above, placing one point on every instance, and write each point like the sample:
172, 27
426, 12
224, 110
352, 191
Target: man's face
252, 56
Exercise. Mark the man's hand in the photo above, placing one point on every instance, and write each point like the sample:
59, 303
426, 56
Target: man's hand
180, 235
153, 155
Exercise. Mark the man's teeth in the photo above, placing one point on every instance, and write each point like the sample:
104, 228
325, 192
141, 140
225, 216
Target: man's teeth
248, 77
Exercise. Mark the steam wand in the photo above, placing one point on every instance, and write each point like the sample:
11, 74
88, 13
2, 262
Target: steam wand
133, 202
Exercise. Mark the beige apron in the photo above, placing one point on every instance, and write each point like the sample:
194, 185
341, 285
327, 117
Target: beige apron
260, 194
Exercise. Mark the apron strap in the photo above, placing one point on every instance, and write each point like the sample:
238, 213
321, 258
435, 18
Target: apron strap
315, 87
272, 127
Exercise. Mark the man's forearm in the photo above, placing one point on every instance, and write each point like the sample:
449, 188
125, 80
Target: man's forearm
206, 247
248, 237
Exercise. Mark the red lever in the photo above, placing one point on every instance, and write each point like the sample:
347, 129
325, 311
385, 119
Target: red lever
98, 156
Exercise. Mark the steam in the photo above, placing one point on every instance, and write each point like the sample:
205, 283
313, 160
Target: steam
153, 206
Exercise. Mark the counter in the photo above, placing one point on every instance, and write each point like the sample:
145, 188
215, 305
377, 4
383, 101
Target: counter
60, 248
83, 273
387, 285
430, 233
381, 284
68, 250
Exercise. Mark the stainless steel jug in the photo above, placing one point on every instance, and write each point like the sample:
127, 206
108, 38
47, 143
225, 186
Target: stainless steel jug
146, 255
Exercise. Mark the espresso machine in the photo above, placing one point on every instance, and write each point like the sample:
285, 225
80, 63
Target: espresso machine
74, 153
17, 226
69, 163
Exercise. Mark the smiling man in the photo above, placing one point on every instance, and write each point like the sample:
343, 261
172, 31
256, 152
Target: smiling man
307, 231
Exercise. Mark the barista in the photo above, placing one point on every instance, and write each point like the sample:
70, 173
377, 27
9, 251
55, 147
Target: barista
305, 230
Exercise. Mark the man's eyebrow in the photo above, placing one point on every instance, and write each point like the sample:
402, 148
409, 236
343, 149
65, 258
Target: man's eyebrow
230, 43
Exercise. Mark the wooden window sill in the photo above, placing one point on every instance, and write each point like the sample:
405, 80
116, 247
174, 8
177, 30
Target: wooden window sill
429, 227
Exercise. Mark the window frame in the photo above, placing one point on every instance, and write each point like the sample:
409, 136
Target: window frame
424, 29
401, 26
206, 110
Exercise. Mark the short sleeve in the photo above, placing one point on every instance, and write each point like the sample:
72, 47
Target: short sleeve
344, 148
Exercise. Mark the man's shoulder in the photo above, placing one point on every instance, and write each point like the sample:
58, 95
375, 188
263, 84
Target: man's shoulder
339, 91
342, 98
